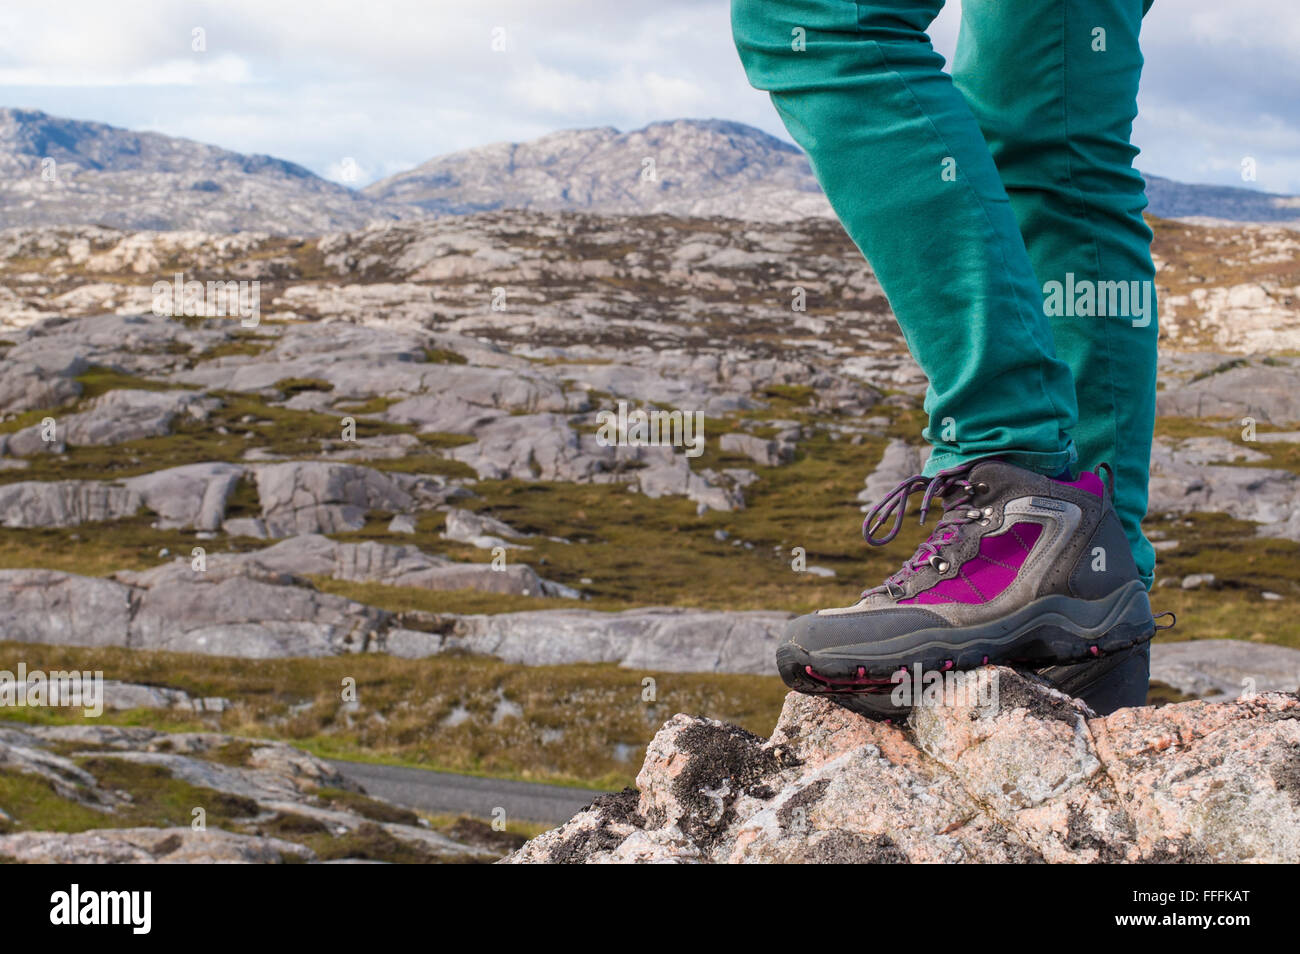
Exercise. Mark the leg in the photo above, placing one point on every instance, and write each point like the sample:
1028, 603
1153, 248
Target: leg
1008, 575
1055, 94
907, 170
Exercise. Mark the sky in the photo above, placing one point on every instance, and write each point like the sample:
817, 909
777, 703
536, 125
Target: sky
356, 91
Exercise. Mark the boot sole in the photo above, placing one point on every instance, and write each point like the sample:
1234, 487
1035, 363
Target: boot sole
1052, 630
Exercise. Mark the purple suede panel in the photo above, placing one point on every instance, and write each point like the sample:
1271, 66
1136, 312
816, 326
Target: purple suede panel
990, 572
1087, 481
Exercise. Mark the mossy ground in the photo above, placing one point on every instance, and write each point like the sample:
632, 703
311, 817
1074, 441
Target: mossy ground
581, 724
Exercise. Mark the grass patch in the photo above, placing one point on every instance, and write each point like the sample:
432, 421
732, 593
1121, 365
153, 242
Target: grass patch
584, 725
291, 386
443, 356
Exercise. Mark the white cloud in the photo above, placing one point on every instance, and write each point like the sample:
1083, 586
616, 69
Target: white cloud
390, 83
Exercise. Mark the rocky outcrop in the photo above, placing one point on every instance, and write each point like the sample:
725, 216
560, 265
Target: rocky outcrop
1184, 481
65, 503
1225, 668
256, 605
1021, 774
26, 385
1263, 391
261, 784
229, 610
192, 495
665, 639
899, 462
479, 530
121, 415
126, 846
311, 555
324, 497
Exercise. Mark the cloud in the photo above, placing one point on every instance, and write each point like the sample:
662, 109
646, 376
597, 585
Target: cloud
391, 83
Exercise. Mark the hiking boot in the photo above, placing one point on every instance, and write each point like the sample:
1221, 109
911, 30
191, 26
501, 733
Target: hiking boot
1022, 570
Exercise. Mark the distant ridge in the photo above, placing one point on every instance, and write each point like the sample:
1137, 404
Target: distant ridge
106, 175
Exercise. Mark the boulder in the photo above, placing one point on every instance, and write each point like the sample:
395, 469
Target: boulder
65, 503
325, 497
1225, 668
192, 495
62, 609
479, 530
45, 381
766, 453
1021, 773
113, 418
1267, 496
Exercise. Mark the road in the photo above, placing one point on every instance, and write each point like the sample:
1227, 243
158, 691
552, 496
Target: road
450, 794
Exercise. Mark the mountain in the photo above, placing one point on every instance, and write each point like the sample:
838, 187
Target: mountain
1179, 200
702, 167
687, 167
681, 167
142, 180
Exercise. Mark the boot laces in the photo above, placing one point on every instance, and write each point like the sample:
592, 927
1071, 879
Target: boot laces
956, 490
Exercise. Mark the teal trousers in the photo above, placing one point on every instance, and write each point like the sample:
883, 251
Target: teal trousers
999, 209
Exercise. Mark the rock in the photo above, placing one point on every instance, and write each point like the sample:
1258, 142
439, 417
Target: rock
61, 609
253, 527
43, 381
1199, 451
117, 416
532, 447
65, 503
899, 461
192, 495
236, 609
1264, 495
368, 562
322, 497
766, 453
656, 638
479, 530
126, 695
180, 845
1266, 392
268, 778
1195, 581
1026, 774
255, 605
1225, 667
402, 523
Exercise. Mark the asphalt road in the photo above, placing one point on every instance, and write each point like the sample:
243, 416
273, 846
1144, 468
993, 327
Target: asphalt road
447, 793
